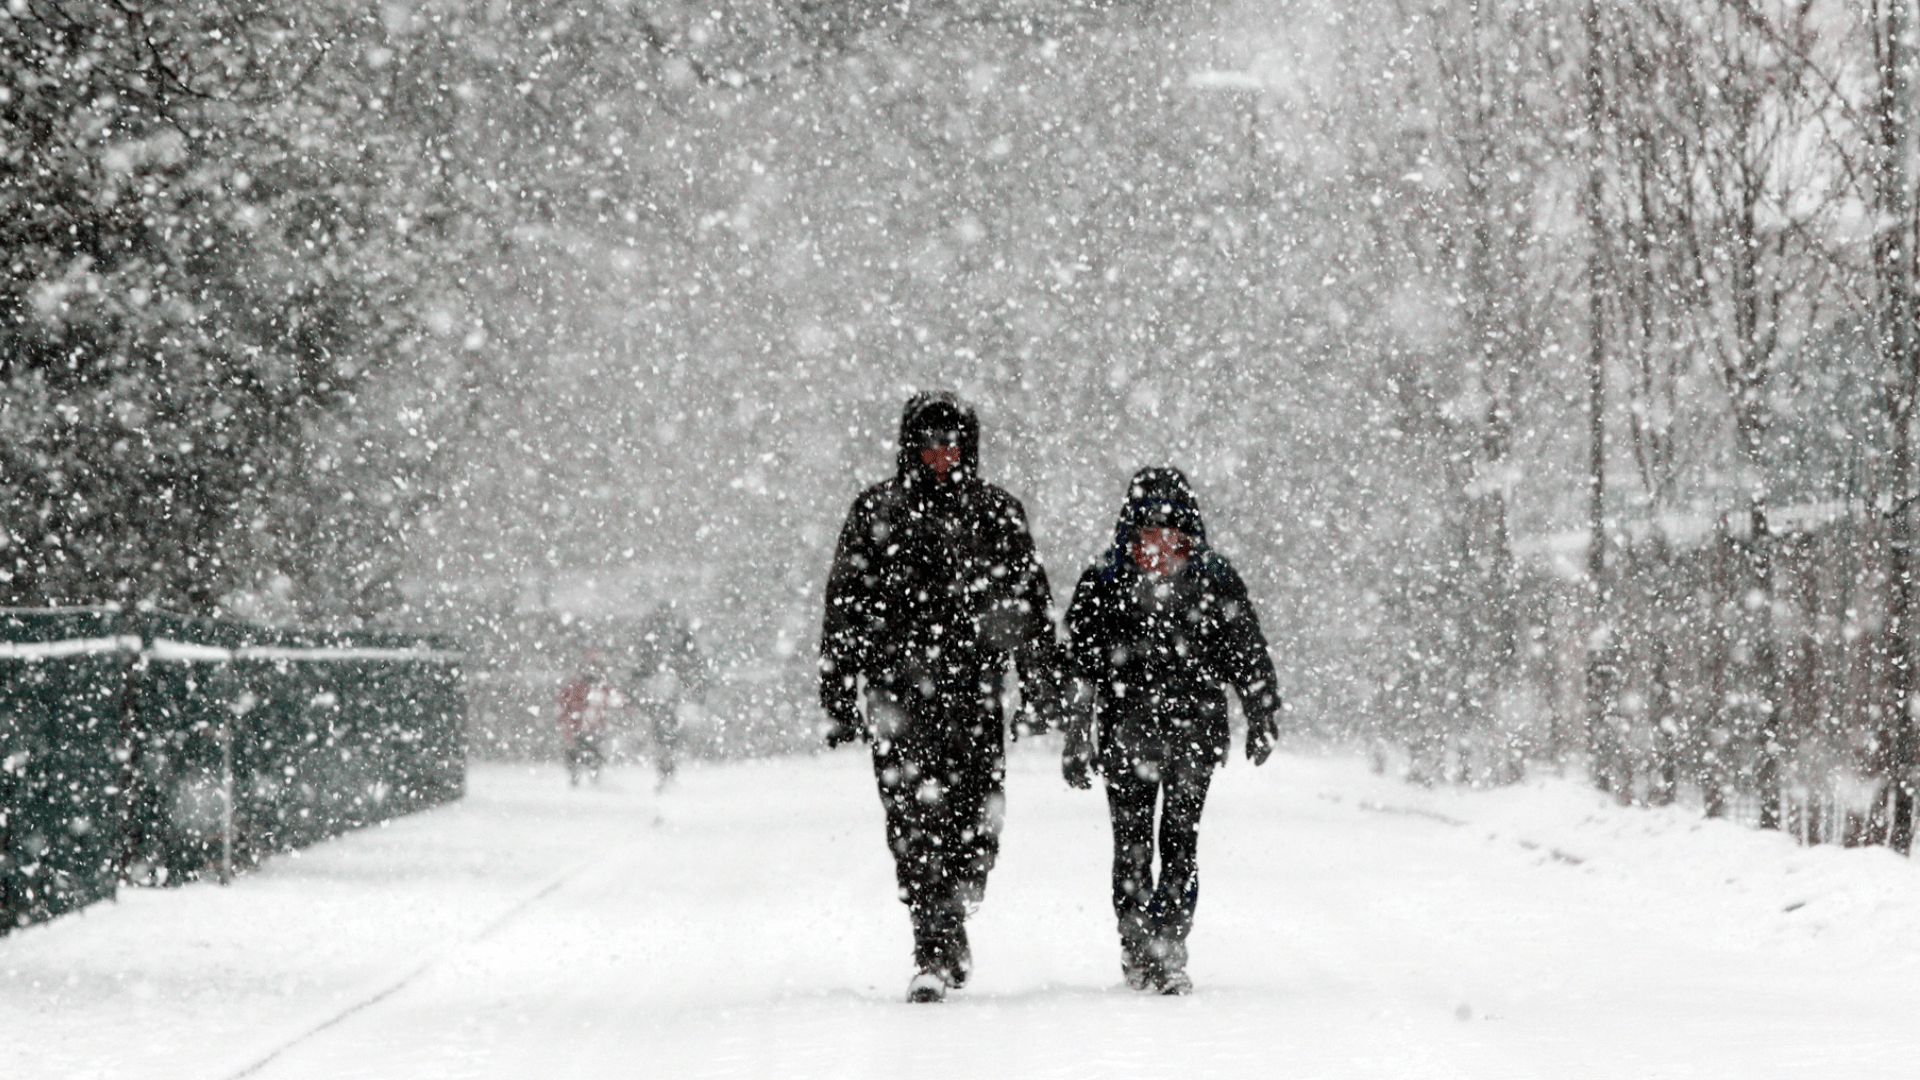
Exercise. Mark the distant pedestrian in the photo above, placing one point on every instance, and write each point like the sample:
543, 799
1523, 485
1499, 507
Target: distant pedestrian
668, 669
1159, 625
934, 588
586, 700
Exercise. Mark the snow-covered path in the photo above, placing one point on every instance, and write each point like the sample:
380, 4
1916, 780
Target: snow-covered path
743, 925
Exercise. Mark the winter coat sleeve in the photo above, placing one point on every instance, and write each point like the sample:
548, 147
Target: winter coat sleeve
1244, 662
1077, 751
844, 633
1045, 682
1088, 651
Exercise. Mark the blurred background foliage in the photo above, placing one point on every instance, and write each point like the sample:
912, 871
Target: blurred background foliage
509, 318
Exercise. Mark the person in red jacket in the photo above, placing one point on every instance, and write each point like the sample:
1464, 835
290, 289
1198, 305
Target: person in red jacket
585, 702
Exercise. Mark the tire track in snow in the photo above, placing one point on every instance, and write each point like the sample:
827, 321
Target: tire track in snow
552, 885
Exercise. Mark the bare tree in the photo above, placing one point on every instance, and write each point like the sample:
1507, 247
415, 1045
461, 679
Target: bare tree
1482, 104
1729, 207
1886, 131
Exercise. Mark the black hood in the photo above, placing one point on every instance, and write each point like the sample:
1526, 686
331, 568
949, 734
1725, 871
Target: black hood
937, 410
1159, 495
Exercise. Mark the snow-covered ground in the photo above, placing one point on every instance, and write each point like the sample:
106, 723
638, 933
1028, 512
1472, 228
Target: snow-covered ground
743, 925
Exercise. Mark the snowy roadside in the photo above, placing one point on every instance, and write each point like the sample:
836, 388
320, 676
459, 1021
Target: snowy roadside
1741, 886
743, 925
202, 981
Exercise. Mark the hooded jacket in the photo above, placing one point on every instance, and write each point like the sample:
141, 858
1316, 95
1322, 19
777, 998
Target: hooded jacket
935, 585
1158, 652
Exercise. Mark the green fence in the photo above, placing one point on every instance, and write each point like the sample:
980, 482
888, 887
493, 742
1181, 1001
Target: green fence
157, 748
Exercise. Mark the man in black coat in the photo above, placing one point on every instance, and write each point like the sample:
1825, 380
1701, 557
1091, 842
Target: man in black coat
934, 588
1159, 625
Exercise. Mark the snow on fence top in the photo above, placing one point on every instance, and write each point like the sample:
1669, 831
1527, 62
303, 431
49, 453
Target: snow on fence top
168, 649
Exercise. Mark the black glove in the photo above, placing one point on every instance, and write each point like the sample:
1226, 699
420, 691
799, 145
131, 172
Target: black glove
1261, 732
1030, 722
1078, 770
844, 728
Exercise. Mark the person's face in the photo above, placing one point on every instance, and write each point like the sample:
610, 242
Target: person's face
940, 451
1161, 551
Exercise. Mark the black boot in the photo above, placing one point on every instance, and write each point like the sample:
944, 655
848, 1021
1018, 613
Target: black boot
1138, 963
940, 951
959, 957
1172, 978
926, 988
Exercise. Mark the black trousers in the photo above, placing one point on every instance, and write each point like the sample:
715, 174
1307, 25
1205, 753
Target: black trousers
943, 789
1147, 907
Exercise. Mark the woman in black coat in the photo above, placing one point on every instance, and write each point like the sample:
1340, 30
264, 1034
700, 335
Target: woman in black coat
1159, 625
